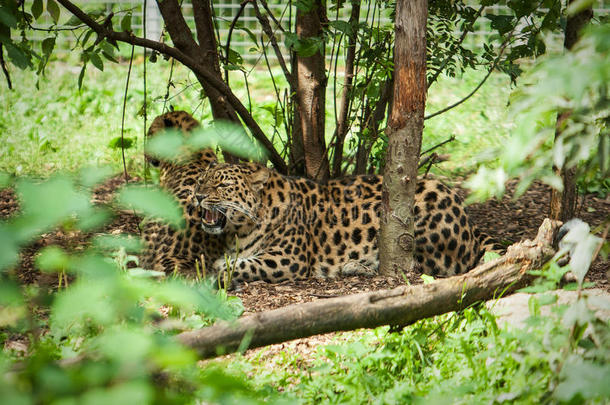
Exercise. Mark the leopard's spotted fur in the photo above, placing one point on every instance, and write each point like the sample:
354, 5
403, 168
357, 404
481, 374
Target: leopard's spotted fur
168, 249
292, 228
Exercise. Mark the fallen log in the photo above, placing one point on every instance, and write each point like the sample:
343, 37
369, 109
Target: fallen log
400, 306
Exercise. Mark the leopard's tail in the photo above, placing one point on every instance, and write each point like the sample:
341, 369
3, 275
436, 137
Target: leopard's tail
488, 244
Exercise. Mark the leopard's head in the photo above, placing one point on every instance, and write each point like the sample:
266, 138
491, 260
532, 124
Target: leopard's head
183, 121
229, 197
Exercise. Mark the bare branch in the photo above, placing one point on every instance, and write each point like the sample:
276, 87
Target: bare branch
341, 130
273, 40
452, 54
4, 69
242, 6
123, 115
491, 69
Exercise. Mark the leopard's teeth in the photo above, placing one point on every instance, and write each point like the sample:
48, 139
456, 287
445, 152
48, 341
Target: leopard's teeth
211, 216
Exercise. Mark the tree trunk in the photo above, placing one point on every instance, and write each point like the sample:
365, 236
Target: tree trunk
563, 203
405, 127
296, 151
400, 307
372, 125
205, 53
342, 124
311, 93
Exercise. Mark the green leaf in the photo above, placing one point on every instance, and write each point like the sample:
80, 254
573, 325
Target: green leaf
142, 273
95, 218
9, 247
109, 56
17, 55
501, 23
7, 18
489, 256
126, 23
53, 10
247, 31
124, 345
47, 45
96, 60
169, 145
275, 112
583, 380
85, 39
124, 143
37, 9
52, 259
81, 76
132, 392
5, 180
341, 26
229, 137
153, 202
73, 21
47, 204
84, 303
116, 242
91, 176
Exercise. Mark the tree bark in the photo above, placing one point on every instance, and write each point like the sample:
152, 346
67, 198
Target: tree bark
399, 307
563, 203
311, 94
405, 127
372, 125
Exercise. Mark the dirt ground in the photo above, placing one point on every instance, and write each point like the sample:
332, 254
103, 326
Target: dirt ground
507, 220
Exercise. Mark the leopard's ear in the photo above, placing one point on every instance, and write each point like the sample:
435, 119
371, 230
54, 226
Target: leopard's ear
259, 177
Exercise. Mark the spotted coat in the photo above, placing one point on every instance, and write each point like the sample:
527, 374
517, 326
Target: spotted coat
283, 228
166, 248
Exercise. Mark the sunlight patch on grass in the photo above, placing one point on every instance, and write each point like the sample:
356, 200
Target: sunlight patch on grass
59, 128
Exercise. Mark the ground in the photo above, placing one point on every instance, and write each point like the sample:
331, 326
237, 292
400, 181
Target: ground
507, 220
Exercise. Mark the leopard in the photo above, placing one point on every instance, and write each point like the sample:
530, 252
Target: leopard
279, 228
167, 248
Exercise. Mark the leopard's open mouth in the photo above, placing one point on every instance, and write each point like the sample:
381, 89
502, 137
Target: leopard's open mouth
212, 220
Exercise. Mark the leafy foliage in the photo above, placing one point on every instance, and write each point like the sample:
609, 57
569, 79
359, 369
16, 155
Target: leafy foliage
177, 146
467, 357
577, 82
108, 336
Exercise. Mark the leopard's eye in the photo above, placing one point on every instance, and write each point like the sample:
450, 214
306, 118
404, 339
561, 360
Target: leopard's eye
225, 184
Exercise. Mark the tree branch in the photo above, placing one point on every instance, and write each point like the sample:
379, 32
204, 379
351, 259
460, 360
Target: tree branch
452, 54
4, 69
341, 130
177, 27
242, 6
186, 60
491, 69
273, 40
401, 306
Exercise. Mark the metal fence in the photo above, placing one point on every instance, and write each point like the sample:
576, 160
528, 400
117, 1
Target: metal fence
226, 10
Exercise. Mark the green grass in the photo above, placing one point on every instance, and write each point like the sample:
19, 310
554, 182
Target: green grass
464, 358
59, 128
480, 124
